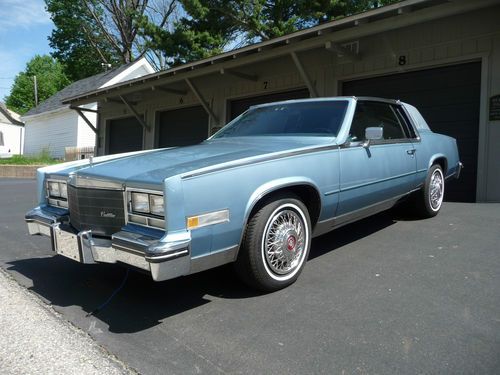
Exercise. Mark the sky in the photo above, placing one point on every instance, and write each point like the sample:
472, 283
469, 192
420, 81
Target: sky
24, 28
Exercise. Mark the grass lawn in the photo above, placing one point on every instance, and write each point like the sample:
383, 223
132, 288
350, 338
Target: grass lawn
29, 160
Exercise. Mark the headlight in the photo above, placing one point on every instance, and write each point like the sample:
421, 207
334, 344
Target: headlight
146, 209
140, 202
63, 189
57, 193
156, 205
54, 190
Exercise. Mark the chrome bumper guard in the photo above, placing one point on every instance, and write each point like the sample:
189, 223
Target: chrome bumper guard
164, 259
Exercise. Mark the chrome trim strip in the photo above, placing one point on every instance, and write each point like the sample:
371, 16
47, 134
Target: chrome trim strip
93, 183
331, 192
377, 181
256, 160
214, 259
224, 219
330, 224
163, 258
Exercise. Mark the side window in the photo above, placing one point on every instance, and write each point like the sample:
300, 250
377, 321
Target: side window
1, 139
375, 114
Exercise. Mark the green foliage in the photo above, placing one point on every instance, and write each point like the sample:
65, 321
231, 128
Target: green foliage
76, 40
50, 79
43, 158
210, 26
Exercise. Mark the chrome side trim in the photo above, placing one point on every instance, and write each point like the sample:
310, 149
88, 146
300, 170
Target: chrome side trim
256, 160
328, 225
163, 258
378, 181
214, 259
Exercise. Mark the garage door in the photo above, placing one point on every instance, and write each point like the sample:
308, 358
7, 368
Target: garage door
237, 107
182, 127
448, 98
124, 135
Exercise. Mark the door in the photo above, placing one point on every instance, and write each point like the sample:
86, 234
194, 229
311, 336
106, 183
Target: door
448, 98
372, 177
182, 127
124, 135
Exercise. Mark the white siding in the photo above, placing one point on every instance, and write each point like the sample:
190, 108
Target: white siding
12, 138
53, 131
86, 136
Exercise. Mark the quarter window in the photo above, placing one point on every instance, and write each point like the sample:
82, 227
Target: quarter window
375, 114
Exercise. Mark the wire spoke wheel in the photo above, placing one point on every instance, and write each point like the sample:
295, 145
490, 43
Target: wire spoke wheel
276, 244
283, 242
436, 190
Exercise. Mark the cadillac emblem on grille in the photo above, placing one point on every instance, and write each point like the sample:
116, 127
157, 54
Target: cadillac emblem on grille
107, 214
98, 210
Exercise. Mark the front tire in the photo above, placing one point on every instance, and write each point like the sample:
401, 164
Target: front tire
276, 245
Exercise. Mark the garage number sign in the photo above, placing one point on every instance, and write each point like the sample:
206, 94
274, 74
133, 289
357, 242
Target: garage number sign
495, 108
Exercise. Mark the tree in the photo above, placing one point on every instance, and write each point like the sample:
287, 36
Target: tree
211, 26
50, 79
90, 33
76, 41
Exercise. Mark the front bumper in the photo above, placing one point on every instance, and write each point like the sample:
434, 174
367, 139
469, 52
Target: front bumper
165, 258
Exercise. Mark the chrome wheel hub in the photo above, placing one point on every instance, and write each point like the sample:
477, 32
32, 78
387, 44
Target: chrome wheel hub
284, 242
436, 190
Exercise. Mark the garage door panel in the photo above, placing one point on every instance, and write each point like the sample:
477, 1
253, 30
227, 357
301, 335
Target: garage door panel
448, 98
124, 135
182, 127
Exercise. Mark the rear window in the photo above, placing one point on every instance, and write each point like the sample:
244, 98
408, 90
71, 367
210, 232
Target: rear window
321, 118
417, 118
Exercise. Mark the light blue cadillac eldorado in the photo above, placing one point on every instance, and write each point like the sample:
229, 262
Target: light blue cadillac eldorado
254, 194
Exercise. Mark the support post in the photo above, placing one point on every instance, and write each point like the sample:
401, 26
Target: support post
87, 121
202, 101
169, 90
248, 77
134, 112
298, 64
83, 109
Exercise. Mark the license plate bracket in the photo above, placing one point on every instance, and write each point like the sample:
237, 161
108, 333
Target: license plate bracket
66, 243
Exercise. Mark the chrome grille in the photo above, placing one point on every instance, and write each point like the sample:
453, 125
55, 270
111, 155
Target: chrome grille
99, 210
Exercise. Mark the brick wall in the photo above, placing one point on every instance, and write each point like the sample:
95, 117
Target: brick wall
19, 171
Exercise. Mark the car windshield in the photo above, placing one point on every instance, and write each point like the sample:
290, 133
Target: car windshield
313, 118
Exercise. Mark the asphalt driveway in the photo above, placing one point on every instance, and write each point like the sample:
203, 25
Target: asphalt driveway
385, 295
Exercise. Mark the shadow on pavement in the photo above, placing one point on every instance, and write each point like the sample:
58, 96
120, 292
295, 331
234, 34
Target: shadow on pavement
143, 303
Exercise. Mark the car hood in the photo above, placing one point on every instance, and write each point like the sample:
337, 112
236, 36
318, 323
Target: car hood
153, 167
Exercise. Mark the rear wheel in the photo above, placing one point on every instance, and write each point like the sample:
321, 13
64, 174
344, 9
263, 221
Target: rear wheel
276, 245
430, 199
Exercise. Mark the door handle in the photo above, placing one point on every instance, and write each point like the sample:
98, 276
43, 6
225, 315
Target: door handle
411, 152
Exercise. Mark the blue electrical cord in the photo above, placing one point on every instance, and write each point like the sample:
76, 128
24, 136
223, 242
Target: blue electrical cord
102, 306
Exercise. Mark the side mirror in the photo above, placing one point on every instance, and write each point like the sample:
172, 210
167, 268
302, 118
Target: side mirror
372, 133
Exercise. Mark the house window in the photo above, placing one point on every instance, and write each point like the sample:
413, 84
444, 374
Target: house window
1, 139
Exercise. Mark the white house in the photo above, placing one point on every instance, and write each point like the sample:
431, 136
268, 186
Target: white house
11, 132
53, 126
